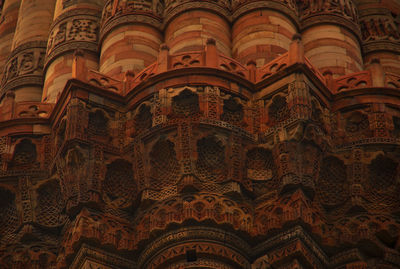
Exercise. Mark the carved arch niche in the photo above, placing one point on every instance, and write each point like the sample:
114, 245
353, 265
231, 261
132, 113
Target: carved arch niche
99, 123
164, 165
49, 204
142, 118
277, 109
233, 110
383, 180
261, 170
119, 185
211, 164
332, 186
184, 103
24, 155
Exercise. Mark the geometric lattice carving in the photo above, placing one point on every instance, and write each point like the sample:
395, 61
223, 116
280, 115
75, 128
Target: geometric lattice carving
232, 111
185, 104
332, 185
382, 173
49, 204
119, 186
210, 165
143, 119
261, 170
357, 123
8, 212
98, 123
165, 168
383, 191
278, 111
24, 155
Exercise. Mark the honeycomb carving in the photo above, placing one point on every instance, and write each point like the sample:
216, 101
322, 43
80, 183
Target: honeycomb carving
332, 186
232, 111
98, 123
211, 166
278, 110
24, 155
165, 167
50, 204
261, 170
143, 120
186, 104
383, 180
119, 185
8, 212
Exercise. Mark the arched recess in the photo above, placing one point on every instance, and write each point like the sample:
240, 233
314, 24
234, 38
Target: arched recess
332, 187
119, 186
143, 118
50, 204
98, 122
383, 178
24, 156
278, 109
8, 211
232, 111
261, 170
165, 167
185, 104
211, 160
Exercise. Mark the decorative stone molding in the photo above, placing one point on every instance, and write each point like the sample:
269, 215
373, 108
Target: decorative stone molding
287, 7
173, 8
380, 31
75, 29
24, 66
89, 257
344, 13
132, 11
200, 234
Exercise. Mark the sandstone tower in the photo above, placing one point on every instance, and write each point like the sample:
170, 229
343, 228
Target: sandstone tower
219, 134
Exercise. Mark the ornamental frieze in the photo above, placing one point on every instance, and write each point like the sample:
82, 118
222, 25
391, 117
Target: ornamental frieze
376, 28
73, 30
26, 60
76, 29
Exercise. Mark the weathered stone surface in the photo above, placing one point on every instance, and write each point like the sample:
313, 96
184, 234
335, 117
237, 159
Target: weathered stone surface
199, 134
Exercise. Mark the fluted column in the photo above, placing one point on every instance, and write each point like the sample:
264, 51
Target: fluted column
190, 23
260, 32
130, 35
9, 16
331, 35
23, 72
380, 28
75, 27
